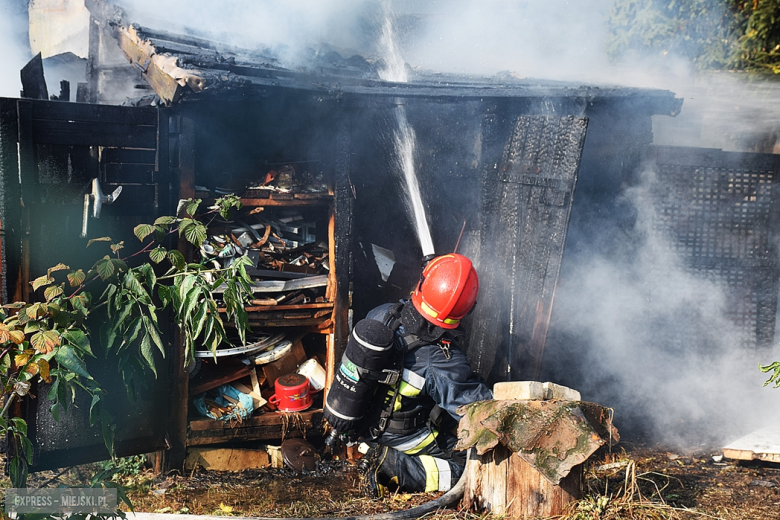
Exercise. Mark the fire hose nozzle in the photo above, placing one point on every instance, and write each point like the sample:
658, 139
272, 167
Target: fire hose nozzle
428, 258
333, 440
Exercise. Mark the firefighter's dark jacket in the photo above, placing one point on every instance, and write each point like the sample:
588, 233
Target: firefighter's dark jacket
436, 373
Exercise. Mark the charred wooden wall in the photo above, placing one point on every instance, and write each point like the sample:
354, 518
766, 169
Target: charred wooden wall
466, 157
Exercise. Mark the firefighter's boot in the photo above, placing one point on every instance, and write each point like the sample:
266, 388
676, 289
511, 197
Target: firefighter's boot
386, 470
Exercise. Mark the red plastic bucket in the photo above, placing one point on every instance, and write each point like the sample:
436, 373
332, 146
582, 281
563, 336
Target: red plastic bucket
291, 393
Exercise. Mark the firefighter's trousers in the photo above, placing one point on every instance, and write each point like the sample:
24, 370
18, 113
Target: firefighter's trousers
435, 468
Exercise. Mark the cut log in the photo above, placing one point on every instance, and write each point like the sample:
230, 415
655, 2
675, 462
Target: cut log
506, 485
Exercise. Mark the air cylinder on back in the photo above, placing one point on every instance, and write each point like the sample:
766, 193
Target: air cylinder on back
367, 354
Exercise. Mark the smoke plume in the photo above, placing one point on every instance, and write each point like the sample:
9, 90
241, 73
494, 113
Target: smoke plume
13, 46
635, 328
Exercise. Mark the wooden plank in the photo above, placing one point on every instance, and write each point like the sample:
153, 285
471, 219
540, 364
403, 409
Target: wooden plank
28, 175
144, 116
162, 165
331, 288
122, 173
266, 419
82, 133
256, 381
162, 83
257, 397
179, 442
269, 425
128, 156
343, 209
226, 459
264, 308
268, 286
219, 379
526, 205
763, 444
250, 202
300, 314
319, 323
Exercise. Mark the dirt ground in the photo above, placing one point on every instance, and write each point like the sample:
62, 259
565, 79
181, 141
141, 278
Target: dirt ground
630, 482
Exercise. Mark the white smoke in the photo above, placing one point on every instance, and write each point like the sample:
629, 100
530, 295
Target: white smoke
291, 30
654, 338
13, 47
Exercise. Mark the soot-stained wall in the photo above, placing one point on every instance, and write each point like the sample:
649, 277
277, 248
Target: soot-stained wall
452, 165
447, 166
453, 162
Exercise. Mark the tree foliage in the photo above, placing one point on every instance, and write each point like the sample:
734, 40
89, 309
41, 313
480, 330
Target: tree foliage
712, 34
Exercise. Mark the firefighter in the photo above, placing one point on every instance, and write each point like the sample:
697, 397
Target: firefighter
409, 351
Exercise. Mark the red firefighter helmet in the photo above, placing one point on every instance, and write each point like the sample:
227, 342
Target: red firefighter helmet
447, 290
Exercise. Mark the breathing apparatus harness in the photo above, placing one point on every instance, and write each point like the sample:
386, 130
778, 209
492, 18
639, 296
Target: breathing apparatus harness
375, 355
417, 332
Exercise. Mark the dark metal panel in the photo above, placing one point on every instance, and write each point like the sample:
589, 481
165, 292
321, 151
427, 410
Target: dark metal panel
526, 204
720, 211
140, 428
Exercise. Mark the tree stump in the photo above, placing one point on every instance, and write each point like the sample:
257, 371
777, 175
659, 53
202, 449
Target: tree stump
527, 454
506, 485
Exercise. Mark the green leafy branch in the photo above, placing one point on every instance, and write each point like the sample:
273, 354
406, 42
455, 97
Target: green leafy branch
774, 368
50, 339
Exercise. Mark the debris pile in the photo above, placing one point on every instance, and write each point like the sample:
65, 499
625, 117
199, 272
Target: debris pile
287, 245
288, 179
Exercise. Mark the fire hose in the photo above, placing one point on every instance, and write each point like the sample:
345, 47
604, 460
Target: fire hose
447, 499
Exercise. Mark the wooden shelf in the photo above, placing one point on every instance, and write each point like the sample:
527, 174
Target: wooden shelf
264, 308
308, 318
213, 375
282, 199
266, 426
316, 315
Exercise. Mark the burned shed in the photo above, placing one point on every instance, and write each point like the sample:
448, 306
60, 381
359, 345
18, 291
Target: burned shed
504, 165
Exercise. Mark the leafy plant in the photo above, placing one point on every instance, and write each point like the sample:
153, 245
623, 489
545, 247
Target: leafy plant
125, 466
759, 40
51, 339
774, 368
